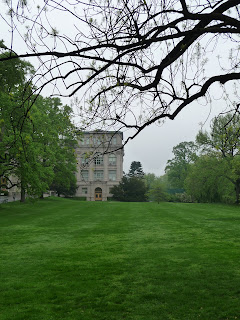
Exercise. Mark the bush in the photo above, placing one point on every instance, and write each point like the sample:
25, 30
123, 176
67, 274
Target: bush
181, 197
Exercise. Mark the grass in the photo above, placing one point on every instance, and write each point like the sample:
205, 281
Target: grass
62, 259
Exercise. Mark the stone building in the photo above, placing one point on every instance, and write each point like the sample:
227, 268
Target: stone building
100, 163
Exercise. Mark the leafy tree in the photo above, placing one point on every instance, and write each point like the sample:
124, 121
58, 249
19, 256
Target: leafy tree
157, 191
206, 181
130, 189
57, 135
160, 55
16, 149
136, 170
35, 133
64, 182
177, 168
149, 179
223, 144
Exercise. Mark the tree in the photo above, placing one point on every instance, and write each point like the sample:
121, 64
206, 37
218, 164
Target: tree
130, 189
160, 55
35, 133
177, 168
206, 181
149, 179
223, 143
136, 170
58, 137
157, 191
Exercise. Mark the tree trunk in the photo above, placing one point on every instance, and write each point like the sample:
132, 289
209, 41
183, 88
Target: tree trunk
23, 195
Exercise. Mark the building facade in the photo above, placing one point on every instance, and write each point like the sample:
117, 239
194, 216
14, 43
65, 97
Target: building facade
100, 164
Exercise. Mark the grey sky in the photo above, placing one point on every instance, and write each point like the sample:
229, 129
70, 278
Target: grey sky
153, 146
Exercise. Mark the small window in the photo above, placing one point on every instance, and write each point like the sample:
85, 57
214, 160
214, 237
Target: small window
84, 190
112, 175
84, 175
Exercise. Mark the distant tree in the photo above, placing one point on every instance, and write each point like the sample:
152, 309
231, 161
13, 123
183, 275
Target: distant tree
157, 191
177, 168
132, 189
223, 143
136, 170
206, 180
149, 179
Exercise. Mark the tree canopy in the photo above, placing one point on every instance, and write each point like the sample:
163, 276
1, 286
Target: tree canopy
130, 189
223, 144
136, 170
177, 168
36, 134
133, 62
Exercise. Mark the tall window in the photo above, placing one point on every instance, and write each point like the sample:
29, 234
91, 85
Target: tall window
84, 175
84, 190
114, 140
112, 175
97, 141
85, 141
112, 159
98, 160
98, 175
85, 158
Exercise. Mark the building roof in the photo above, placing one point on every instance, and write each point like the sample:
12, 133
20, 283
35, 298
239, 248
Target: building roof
98, 131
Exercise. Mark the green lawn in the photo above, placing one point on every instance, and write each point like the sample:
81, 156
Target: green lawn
65, 259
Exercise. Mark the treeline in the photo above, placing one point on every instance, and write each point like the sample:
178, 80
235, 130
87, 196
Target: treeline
208, 170
204, 170
37, 138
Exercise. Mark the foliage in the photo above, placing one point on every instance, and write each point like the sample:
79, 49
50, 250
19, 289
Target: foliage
224, 136
157, 191
130, 189
223, 143
206, 181
135, 62
136, 170
36, 134
180, 197
149, 179
177, 168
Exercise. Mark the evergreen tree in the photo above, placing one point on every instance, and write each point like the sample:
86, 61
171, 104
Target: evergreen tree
130, 189
136, 170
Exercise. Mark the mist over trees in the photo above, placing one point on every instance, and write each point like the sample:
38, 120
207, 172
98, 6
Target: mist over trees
128, 63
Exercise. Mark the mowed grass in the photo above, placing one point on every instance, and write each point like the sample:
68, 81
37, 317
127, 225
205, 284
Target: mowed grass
64, 259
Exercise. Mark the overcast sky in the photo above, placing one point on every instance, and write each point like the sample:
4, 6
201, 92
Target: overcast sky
153, 146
